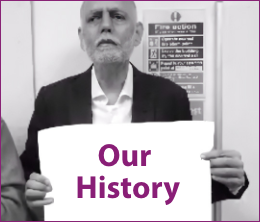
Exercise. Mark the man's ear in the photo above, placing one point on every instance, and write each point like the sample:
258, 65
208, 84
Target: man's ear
138, 33
81, 39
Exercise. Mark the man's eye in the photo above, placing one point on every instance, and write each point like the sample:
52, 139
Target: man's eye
94, 18
118, 17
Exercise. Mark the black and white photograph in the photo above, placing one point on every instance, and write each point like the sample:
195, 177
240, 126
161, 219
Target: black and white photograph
129, 110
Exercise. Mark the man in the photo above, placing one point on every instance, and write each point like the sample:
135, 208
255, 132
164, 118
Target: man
113, 91
13, 204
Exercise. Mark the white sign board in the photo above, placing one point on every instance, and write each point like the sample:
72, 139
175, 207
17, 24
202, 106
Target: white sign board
167, 179
174, 42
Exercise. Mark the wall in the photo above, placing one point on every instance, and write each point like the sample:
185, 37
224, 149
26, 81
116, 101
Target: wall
241, 100
16, 69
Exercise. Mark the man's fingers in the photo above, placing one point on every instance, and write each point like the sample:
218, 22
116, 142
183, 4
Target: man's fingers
231, 183
230, 153
40, 203
40, 178
34, 185
223, 162
220, 153
34, 194
227, 172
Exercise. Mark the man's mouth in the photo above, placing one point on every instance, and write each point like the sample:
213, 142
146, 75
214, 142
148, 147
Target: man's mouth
107, 41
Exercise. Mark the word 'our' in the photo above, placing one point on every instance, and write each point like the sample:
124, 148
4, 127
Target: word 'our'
144, 154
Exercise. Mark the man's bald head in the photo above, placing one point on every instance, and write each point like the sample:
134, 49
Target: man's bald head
131, 2
129, 6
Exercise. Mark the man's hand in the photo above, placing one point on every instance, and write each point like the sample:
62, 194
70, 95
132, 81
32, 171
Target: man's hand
226, 168
36, 189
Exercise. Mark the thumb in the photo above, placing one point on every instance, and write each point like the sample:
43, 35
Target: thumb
210, 155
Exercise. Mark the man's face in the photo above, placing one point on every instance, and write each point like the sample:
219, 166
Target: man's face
109, 31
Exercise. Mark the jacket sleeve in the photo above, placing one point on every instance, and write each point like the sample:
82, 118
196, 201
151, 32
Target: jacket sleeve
30, 156
183, 105
220, 192
13, 204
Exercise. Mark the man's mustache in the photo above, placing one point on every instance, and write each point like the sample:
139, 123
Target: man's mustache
106, 41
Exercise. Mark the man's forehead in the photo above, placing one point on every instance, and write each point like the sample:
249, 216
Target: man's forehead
89, 6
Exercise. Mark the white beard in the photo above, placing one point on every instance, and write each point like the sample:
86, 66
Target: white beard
113, 54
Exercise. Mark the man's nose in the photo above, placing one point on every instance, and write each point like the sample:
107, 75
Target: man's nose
106, 23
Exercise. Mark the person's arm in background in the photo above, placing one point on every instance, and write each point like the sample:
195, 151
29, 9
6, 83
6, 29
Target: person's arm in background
13, 204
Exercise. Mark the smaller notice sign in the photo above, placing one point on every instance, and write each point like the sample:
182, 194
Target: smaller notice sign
191, 53
184, 77
153, 66
197, 110
181, 41
176, 28
153, 42
153, 53
196, 65
193, 88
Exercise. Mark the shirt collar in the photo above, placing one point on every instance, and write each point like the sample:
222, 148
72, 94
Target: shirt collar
127, 90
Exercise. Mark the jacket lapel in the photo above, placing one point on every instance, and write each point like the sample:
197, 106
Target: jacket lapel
143, 98
80, 99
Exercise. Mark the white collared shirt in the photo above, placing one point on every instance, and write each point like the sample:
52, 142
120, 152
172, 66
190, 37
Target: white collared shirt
121, 111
